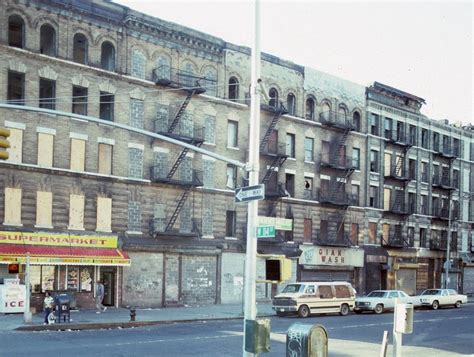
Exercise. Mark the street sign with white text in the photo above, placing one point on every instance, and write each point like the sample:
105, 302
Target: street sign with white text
250, 193
266, 232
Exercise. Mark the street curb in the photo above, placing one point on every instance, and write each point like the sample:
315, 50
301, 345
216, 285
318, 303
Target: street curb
115, 325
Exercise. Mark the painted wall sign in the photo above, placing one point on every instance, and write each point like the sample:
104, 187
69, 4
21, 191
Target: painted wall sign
333, 256
58, 239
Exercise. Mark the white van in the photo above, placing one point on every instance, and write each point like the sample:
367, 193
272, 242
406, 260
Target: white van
306, 298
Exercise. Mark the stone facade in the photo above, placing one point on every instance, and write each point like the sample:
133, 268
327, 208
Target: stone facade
195, 260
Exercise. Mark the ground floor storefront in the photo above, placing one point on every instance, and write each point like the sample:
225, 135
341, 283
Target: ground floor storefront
326, 263
166, 279
63, 263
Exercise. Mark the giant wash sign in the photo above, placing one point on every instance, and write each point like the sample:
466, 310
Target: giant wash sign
332, 256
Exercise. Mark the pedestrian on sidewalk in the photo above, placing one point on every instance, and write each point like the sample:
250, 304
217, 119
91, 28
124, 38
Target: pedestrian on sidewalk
48, 306
99, 297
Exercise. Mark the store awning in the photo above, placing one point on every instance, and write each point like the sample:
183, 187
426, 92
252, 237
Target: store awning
51, 255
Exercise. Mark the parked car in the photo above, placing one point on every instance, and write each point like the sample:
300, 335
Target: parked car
315, 297
379, 301
435, 298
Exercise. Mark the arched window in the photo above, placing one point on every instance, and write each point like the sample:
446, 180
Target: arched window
342, 113
188, 77
291, 103
356, 120
211, 82
79, 49
325, 111
273, 94
16, 31
48, 40
107, 56
233, 89
163, 68
310, 109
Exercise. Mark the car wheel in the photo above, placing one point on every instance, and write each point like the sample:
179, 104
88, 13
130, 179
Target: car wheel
303, 311
378, 309
457, 305
344, 310
435, 305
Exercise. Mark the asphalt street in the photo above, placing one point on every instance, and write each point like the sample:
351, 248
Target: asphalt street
446, 332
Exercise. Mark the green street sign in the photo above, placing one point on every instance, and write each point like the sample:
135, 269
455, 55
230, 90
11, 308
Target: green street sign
266, 232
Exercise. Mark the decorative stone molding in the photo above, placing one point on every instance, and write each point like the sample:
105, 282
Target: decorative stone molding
17, 66
137, 94
80, 81
107, 87
48, 73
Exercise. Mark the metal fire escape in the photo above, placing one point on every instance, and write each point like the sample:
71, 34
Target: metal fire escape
270, 148
190, 84
341, 168
398, 175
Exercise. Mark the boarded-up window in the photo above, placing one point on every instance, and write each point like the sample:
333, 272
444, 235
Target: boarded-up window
355, 233
78, 153
105, 159
45, 149
12, 206
76, 212
104, 214
342, 292
385, 233
16, 145
386, 198
325, 291
308, 229
44, 206
387, 164
372, 232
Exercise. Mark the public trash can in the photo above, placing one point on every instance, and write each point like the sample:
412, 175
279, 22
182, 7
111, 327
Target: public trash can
303, 340
63, 306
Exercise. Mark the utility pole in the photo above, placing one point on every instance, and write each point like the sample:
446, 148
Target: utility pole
250, 310
27, 314
448, 248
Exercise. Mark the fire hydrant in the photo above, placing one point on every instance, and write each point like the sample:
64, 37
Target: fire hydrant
133, 314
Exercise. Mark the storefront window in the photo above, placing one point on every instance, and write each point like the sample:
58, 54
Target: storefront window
35, 278
72, 278
42, 278
47, 278
86, 279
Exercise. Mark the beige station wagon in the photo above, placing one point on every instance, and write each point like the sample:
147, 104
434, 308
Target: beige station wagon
306, 298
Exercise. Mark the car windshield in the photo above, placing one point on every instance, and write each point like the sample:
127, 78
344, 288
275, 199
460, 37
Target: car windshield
431, 292
293, 288
377, 294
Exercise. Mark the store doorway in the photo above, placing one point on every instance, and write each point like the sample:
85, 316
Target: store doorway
108, 279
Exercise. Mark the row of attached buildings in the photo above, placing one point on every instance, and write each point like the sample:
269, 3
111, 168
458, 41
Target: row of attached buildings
358, 181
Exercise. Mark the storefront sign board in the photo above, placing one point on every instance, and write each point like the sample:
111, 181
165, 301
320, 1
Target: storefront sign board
332, 256
58, 239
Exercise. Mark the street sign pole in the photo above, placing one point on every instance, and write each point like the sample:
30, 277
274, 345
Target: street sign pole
250, 309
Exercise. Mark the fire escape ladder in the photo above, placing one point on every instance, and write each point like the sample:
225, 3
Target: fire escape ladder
277, 161
178, 208
178, 161
180, 111
273, 123
400, 166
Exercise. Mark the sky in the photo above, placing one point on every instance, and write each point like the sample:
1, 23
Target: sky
425, 48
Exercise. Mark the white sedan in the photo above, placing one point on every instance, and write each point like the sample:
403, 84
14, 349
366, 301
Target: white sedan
380, 300
435, 298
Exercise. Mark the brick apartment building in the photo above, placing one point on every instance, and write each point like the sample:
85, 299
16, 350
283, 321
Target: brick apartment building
356, 178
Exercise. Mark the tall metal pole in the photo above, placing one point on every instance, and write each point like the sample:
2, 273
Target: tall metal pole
448, 248
250, 310
27, 314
